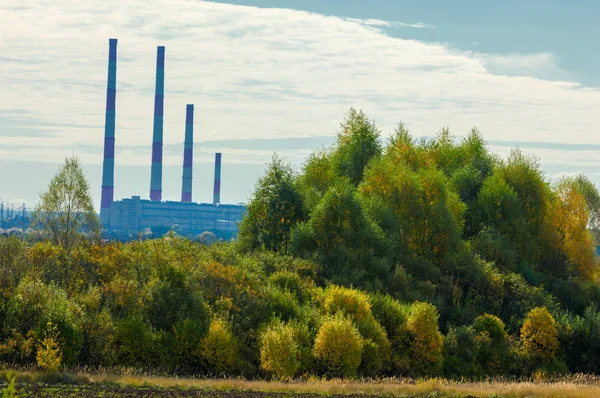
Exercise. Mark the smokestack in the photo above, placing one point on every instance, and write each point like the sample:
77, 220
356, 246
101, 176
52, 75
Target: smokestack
217, 188
108, 164
157, 135
188, 153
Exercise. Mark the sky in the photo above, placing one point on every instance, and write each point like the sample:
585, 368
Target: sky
271, 76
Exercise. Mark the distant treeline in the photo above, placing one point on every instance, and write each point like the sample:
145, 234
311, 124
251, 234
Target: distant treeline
409, 258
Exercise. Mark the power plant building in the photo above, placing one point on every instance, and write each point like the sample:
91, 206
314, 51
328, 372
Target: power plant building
132, 216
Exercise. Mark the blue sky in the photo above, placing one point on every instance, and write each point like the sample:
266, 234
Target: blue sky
278, 76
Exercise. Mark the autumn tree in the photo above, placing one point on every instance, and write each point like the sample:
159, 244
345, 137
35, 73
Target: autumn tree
592, 198
570, 218
65, 211
339, 346
279, 351
539, 336
275, 208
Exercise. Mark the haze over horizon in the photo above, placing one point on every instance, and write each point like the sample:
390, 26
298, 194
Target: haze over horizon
267, 80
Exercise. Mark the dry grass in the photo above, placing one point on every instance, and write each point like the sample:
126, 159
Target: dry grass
576, 386
579, 386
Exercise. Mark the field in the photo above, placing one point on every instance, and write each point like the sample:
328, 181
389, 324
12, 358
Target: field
34, 384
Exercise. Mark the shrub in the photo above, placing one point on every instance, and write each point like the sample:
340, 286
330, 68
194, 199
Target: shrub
460, 355
390, 313
34, 305
133, 342
289, 281
49, 355
351, 302
339, 346
539, 336
492, 343
218, 348
377, 349
426, 346
279, 351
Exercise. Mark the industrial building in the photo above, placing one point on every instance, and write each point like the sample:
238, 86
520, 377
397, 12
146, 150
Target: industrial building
132, 216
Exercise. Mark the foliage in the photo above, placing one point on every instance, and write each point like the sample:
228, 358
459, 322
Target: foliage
357, 144
275, 208
339, 346
426, 345
539, 335
49, 355
218, 348
65, 211
417, 257
10, 391
279, 351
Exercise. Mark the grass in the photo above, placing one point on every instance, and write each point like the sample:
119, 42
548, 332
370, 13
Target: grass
571, 386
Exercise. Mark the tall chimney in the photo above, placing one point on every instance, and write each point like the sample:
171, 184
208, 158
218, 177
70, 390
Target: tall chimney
108, 164
217, 188
157, 135
188, 154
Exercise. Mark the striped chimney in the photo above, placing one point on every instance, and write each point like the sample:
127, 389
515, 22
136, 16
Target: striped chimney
217, 188
188, 154
108, 164
157, 135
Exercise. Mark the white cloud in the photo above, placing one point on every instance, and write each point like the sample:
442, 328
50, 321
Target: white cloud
541, 65
258, 73
390, 24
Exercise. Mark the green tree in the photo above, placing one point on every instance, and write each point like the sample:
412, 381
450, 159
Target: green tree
275, 208
357, 143
492, 343
65, 211
340, 237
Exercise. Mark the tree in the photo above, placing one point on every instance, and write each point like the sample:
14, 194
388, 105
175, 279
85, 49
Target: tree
426, 339
345, 243
592, 198
207, 238
279, 351
357, 143
65, 211
569, 218
274, 210
539, 335
339, 346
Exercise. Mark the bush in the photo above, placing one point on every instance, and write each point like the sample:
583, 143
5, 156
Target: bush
492, 343
34, 305
279, 351
350, 302
539, 336
426, 344
339, 347
133, 342
49, 355
218, 348
460, 353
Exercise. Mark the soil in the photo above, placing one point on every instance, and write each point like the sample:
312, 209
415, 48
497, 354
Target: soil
43, 390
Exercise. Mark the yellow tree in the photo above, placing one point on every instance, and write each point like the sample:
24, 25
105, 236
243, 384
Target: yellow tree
570, 217
539, 336
339, 346
426, 347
